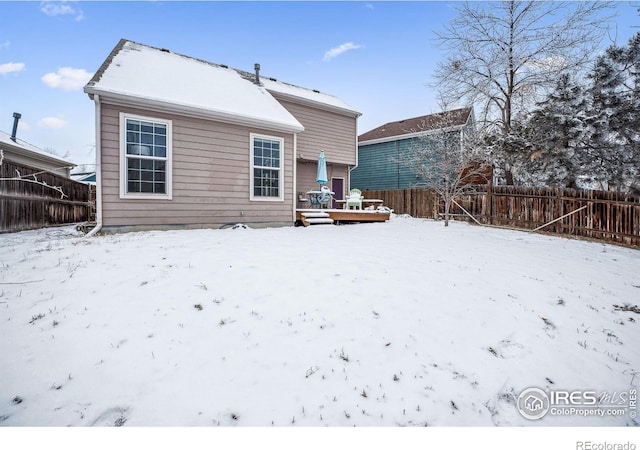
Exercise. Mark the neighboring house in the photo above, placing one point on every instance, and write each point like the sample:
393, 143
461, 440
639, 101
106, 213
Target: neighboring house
36, 190
185, 142
381, 150
84, 177
25, 154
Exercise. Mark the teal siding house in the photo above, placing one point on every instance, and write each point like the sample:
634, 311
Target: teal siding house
380, 151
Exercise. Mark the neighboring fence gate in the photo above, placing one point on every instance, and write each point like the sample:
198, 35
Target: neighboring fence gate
608, 216
39, 198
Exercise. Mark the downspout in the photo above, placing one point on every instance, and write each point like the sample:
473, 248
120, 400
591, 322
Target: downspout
356, 166
295, 175
98, 227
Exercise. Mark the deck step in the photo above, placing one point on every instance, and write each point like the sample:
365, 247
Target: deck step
318, 220
315, 215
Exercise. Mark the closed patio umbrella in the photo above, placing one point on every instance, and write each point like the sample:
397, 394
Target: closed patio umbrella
321, 177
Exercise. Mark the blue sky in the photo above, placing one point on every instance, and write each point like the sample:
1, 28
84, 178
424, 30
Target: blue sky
376, 56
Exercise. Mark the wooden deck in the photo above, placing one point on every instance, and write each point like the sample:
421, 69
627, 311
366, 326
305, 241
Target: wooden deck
345, 216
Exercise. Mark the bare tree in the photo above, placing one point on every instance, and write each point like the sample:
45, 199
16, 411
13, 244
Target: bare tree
32, 178
445, 157
502, 55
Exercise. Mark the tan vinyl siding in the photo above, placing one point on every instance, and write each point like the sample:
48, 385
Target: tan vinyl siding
306, 175
334, 133
211, 166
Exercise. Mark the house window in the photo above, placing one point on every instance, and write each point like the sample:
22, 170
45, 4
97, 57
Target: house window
145, 157
266, 168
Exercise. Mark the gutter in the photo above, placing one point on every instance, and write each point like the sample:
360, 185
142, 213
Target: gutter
98, 227
20, 149
123, 99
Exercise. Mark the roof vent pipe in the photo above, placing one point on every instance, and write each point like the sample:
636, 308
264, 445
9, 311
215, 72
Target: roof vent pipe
256, 66
16, 118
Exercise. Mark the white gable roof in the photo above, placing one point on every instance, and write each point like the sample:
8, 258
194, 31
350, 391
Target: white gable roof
157, 77
308, 96
31, 151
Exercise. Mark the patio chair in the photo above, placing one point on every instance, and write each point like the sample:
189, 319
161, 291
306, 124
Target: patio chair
302, 200
354, 199
313, 201
325, 197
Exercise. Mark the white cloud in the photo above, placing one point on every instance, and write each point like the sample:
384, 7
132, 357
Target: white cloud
52, 9
369, 6
340, 50
11, 67
5, 44
54, 123
67, 78
24, 126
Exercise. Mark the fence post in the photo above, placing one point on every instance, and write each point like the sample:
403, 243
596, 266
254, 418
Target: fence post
435, 199
490, 201
558, 225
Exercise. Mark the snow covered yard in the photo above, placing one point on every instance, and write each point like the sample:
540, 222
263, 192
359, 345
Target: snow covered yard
398, 323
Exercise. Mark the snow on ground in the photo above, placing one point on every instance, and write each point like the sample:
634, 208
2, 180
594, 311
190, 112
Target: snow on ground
399, 323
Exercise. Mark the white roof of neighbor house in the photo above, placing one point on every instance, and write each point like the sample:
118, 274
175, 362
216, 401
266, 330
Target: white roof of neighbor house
308, 95
26, 149
159, 77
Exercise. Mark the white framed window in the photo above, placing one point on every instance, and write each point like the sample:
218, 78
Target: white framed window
145, 157
267, 178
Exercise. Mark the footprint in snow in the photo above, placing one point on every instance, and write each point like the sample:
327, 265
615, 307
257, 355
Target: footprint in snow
112, 417
507, 349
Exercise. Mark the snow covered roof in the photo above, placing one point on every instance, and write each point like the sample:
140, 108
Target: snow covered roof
137, 73
86, 177
405, 128
157, 77
31, 151
312, 96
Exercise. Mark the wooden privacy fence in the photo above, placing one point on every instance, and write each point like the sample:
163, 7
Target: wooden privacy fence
415, 202
27, 204
607, 216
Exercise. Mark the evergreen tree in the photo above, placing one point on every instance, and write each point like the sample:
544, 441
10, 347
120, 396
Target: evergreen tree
615, 146
558, 131
510, 152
